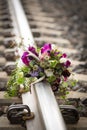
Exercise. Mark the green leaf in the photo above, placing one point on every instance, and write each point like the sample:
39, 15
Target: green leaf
67, 92
73, 83
64, 84
25, 69
32, 63
53, 63
59, 55
20, 78
51, 79
41, 74
12, 91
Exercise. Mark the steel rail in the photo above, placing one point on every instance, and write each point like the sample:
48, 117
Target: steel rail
42, 100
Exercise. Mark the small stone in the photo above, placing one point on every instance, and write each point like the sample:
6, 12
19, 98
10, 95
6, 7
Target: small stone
10, 54
2, 61
9, 67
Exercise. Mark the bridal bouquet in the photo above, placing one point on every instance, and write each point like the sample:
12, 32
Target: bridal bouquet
41, 64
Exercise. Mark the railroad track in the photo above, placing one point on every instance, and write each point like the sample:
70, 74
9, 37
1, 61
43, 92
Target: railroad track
44, 28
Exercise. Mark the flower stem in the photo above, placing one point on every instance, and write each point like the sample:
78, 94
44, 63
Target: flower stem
34, 56
38, 80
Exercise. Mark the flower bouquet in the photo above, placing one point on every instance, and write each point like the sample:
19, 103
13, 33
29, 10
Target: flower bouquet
39, 64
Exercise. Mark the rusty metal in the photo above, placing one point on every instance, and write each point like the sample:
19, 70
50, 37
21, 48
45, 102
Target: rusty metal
18, 114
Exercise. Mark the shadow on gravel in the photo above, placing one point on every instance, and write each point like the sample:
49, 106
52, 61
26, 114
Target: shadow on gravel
71, 15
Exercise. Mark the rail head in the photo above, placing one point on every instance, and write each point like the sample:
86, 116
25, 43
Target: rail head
23, 26
49, 116
48, 107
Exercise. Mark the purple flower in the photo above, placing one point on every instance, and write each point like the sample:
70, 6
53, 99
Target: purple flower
25, 58
66, 73
34, 74
58, 80
55, 87
32, 49
46, 48
64, 55
40, 69
67, 63
56, 53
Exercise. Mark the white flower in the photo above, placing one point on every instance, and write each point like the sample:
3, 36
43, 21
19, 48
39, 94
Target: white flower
62, 60
54, 47
21, 86
46, 57
20, 75
35, 67
48, 72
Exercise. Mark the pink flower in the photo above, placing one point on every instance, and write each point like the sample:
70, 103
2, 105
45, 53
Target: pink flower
43, 56
25, 58
46, 48
65, 78
64, 55
67, 63
32, 49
